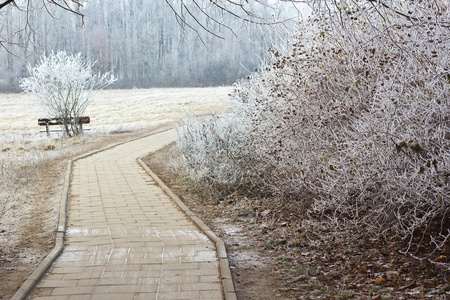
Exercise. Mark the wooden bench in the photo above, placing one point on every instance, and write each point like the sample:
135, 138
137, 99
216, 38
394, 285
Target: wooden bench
59, 121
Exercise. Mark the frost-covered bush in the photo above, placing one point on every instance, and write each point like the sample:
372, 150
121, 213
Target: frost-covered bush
216, 149
391, 162
64, 85
357, 115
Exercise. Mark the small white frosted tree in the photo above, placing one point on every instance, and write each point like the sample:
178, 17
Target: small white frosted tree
64, 85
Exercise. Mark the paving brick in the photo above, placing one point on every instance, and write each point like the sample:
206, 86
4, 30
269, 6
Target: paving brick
137, 288
104, 289
57, 283
145, 296
179, 295
122, 296
204, 286
52, 298
73, 291
211, 295
112, 274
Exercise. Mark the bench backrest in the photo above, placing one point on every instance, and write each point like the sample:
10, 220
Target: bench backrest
59, 121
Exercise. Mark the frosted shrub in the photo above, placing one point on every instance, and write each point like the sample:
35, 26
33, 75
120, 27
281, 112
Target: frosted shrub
215, 149
370, 140
390, 166
296, 118
352, 124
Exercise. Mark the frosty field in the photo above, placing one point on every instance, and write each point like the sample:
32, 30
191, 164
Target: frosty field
32, 165
128, 109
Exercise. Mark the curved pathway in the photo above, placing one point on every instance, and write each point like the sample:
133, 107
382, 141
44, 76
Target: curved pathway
126, 239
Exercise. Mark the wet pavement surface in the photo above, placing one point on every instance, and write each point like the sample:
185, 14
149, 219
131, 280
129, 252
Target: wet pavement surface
126, 239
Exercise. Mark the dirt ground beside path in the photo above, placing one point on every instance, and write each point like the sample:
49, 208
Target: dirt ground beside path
36, 237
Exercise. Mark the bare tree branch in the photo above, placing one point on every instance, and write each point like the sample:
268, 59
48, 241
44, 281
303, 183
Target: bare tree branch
5, 3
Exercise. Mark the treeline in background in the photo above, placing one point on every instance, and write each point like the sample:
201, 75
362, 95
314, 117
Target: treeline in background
140, 42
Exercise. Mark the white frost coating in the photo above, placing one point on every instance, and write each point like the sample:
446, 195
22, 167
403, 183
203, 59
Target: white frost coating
355, 119
64, 85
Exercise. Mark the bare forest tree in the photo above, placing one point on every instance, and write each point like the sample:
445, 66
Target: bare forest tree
141, 43
28, 7
209, 15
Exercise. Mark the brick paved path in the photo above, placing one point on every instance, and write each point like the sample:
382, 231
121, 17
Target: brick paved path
126, 239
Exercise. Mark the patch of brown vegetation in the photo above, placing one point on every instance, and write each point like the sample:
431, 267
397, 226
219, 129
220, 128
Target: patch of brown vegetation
273, 255
35, 237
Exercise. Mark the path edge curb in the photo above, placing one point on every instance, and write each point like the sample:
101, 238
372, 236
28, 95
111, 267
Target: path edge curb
224, 266
30, 282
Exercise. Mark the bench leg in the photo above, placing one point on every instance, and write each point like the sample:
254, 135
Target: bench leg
47, 129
